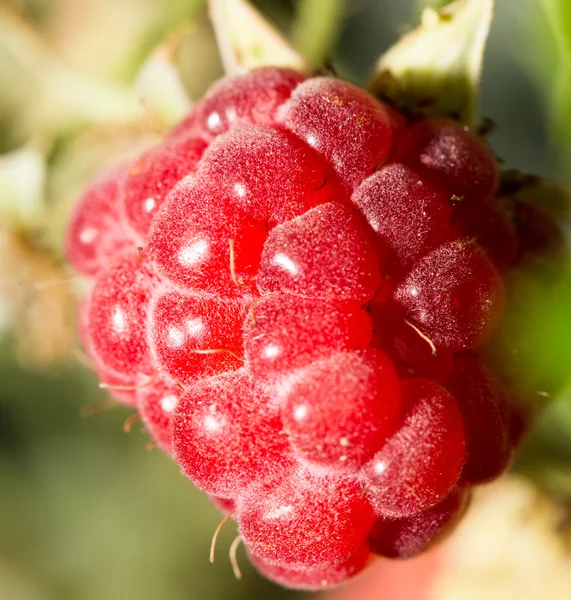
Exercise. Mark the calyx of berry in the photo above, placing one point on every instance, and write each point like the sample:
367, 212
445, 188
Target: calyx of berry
247, 40
435, 69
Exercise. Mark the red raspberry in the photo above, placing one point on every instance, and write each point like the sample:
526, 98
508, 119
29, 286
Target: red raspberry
156, 403
225, 435
196, 335
300, 326
307, 521
116, 316
268, 174
482, 402
453, 295
494, 230
405, 538
247, 98
223, 505
195, 247
339, 410
120, 388
409, 215
303, 578
326, 253
344, 123
152, 177
191, 125
95, 232
284, 332
413, 354
455, 160
540, 240
421, 462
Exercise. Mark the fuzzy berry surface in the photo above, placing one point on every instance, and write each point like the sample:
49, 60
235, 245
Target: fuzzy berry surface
294, 291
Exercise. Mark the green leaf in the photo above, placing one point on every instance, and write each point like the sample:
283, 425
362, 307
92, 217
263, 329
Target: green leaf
247, 40
436, 68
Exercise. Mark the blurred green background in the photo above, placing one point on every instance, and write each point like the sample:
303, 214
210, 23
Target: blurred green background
87, 512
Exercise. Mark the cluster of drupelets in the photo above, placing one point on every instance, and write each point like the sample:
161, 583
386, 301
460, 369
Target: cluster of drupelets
293, 290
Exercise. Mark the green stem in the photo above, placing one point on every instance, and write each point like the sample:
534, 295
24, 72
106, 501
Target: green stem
317, 27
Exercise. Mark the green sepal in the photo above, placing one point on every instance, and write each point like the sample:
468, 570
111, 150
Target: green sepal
435, 69
246, 40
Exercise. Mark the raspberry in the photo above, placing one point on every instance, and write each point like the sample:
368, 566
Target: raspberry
283, 332
326, 253
120, 388
540, 240
413, 354
520, 421
267, 173
453, 295
454, 159
224, 505
494, 231
116, 316
152, 176
409, 215
156, 403
191, 125
300, 322
339, 410
481, 399
344, 123
405, 538
95, 231
225, 435
421, 462
196, 335
305, 521
195, 247
313, 579
248, 180
247, 98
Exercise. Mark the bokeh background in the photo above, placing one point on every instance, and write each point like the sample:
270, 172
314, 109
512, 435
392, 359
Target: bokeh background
87, 511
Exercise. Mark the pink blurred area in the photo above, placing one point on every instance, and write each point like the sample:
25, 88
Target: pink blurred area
393, 580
